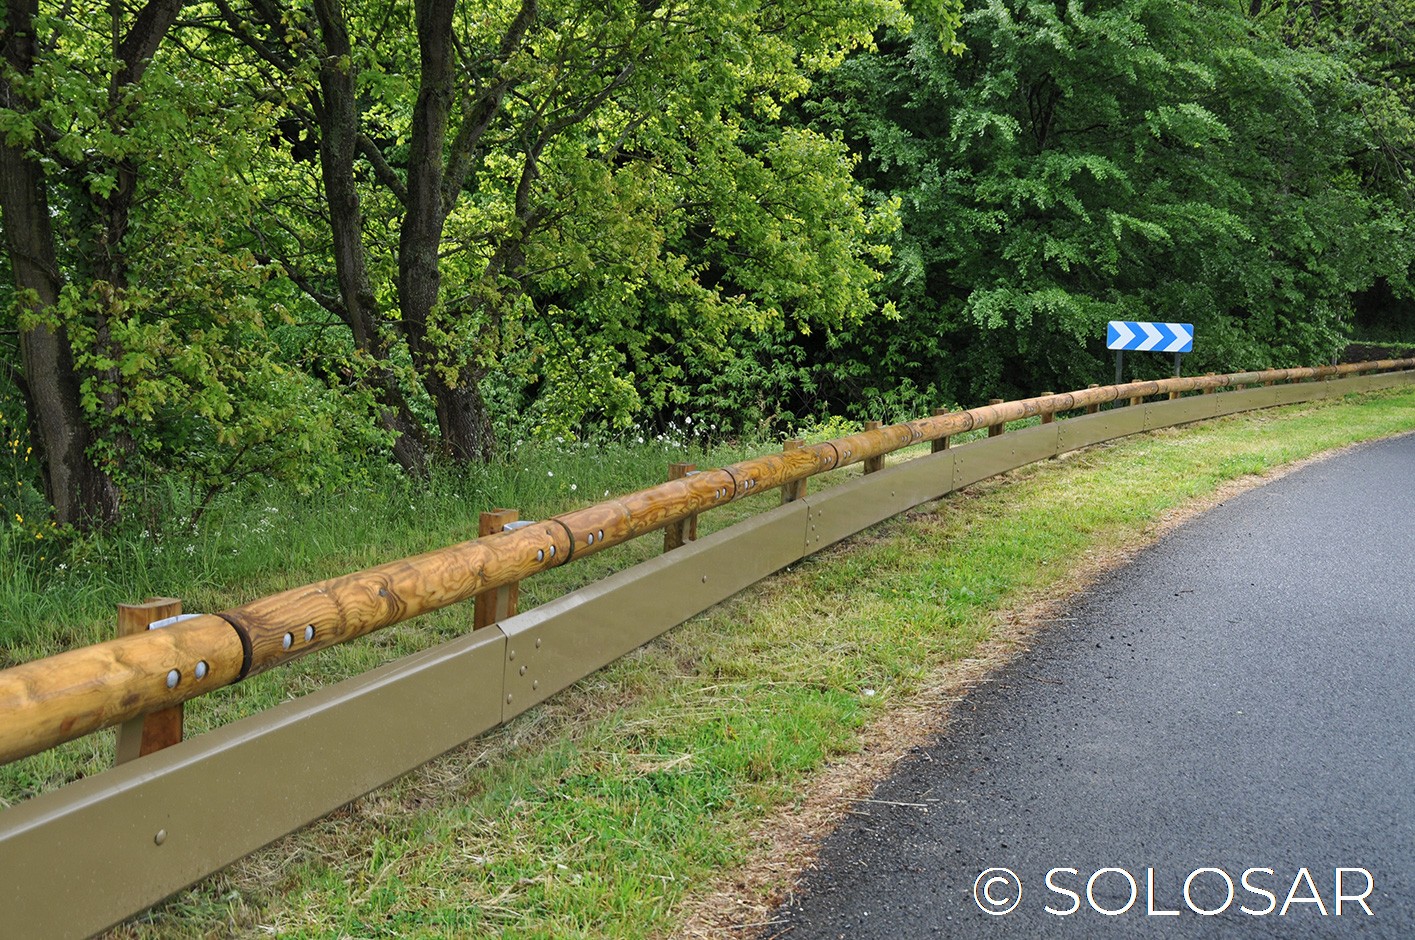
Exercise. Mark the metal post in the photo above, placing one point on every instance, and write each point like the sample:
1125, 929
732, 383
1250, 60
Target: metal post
1119, 366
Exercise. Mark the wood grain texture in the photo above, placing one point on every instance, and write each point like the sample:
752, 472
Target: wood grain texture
162, 728
678, 533
651, 509
794, 490
291, 624
63, 697
500, 602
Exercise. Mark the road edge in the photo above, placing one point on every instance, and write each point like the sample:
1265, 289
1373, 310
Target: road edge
786, 843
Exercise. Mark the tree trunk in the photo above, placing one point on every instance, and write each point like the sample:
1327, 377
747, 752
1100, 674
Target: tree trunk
461, 412
337, 113
81, 493
465, 421
134, 50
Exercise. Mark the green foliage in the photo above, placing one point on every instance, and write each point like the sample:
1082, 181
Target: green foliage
743, 214
168, 325
683, 209
1134, 159
27, 534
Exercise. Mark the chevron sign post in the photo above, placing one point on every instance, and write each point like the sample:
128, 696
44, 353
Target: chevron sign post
1177, 338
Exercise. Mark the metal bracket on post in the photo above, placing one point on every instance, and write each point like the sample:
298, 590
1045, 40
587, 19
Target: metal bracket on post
873, 464
793, 491
498, 603
677, 534
162, 728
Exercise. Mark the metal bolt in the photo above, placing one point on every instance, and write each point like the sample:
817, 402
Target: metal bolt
590, 540
383, 592
511, 655
540, 554
535, 685
287, 641
161, 836
537, 644
523, 670
508, 700
601, 535
705, 579
201, 669
309, 633
552, 551
173, 678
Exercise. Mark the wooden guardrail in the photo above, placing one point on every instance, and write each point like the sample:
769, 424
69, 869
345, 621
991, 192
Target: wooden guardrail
72, 694
77, 859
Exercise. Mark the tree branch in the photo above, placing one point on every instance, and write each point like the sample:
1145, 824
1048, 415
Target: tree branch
381, 168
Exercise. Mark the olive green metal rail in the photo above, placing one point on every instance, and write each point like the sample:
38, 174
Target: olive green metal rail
80, 858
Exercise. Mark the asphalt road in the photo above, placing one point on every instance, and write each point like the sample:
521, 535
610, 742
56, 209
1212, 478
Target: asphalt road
1240, 698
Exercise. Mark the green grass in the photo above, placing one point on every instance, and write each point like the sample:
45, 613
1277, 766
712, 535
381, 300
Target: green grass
268, 539
598, 813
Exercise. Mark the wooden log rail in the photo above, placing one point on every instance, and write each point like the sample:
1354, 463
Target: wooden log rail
62, 697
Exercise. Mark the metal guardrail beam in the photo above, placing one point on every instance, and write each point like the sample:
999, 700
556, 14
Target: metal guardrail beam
74, 693
78, 859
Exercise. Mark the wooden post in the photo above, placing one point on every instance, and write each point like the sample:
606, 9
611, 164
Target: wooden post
873, 464
1209, 390
499, 603
996, 429
793, 491
677, 534
1173, 396
1048, 416
1093, 408
941, 443
162, 728
1136, 400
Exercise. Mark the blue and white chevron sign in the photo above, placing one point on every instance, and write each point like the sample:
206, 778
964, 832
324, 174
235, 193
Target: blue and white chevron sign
1150, 337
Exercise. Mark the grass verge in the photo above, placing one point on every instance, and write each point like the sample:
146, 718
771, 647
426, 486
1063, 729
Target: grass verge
603, 813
